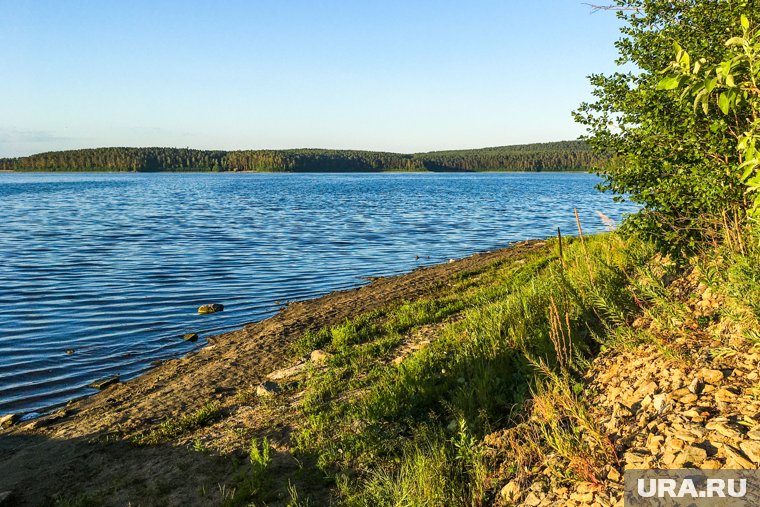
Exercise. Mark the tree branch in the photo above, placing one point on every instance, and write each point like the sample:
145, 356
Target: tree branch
597, 8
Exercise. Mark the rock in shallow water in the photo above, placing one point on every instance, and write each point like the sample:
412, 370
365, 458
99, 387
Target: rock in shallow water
211, 308
103, 383
191, 337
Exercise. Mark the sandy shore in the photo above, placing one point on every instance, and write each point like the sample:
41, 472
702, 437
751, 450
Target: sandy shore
87, 444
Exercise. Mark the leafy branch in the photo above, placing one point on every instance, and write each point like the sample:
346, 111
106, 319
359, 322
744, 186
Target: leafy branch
732, 87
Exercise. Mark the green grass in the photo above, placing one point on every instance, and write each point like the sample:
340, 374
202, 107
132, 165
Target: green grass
252, 481
408, 434
173, 428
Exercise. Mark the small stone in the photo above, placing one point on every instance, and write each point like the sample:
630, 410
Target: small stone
691, 455
211, 308
190, 337
622, 411
268, 388
601, 501
695, 386
654, 442
680, 393
685, 435
675, 444
637, 457
288, 372
532, 499
711, 464
583, 498
712, 376
511, 492
105, 382
724, 395
538, 486
659, 402
688, 399
8, 420
735, 459
586, 487
725, 430
319, 356
70, 352
754, 433
752, 449
647, 389
613, 475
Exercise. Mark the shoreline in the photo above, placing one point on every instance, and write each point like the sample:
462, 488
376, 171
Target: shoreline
229, 364
421, 273
390, 171
40, 416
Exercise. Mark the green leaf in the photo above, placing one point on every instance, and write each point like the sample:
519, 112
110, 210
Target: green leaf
701, 99
745, 22
710, 84
705, 104
723, 103
684, 60
749, 170
732, 97
735, 41
669, 83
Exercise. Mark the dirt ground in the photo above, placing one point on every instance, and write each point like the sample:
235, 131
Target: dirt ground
82, 454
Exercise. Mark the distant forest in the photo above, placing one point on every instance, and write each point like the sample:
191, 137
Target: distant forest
557, 156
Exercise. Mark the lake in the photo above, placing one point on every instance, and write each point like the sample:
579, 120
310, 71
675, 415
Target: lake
101, 273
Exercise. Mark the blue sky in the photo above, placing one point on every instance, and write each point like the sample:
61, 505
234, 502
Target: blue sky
382, 75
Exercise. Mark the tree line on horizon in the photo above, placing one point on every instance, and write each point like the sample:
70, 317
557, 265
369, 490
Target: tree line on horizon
555, 156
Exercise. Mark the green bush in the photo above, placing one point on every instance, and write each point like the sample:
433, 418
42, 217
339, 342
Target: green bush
679, 163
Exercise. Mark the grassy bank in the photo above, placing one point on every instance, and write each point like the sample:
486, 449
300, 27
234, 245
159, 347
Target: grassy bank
408, 393
403, 410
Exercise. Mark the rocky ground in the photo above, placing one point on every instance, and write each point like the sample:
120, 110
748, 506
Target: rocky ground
687, 397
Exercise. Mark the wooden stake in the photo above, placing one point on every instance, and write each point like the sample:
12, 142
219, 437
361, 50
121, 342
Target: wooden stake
738, 232
728, 231
561, 256
580, 229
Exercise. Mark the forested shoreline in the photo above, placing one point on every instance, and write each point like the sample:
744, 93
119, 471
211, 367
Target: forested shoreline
555, 156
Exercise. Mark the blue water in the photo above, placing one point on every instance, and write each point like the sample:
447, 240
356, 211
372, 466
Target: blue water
114, 266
